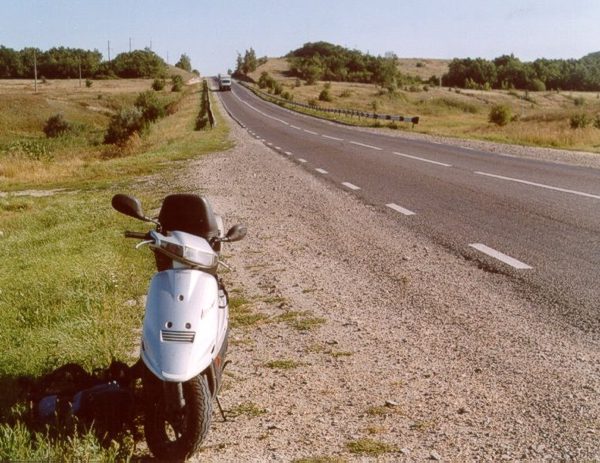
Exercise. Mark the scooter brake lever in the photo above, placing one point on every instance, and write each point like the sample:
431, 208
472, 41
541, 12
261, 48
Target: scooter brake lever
141, 243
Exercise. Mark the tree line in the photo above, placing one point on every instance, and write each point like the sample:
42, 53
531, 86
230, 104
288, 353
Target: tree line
507, 72
325, 61
63, 62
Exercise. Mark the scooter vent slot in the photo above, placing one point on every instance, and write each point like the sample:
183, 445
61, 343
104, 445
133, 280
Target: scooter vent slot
177, 336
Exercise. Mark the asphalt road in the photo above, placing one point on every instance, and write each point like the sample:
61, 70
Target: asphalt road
536, 222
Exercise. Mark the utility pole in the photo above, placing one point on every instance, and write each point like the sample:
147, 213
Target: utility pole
167, 57
150, 44
109, 50
34, 70
129, 44
80, 72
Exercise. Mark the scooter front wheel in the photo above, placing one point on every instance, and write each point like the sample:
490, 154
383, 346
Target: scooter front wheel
173, 432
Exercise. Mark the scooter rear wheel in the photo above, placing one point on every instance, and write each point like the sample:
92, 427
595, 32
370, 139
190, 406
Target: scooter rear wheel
176, 435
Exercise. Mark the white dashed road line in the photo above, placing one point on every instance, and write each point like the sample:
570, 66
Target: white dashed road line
270, 144
288, 153
295, 127
501, 257
367, 146
311, 132
350, 186
321, 171
278, 148
541, 185
423, 159
302, 160
400, 209
332, 138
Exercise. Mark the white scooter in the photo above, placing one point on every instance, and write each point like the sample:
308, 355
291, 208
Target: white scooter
184, 337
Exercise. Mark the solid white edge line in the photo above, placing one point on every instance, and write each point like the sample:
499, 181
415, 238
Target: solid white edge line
541, 185
332, 138
500, 256
350, 186
417, 158
321, 171
302, 160
400, 209
367, 146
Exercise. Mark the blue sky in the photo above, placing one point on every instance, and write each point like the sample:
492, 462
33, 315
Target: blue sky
212, 32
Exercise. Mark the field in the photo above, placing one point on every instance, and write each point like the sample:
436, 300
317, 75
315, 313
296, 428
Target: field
71, 286
538, 118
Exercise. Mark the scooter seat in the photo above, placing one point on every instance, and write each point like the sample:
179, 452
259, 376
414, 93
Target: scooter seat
188, 213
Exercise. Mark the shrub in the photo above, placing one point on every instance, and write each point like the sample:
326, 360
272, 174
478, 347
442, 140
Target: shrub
537, 85
298, 83
425, 88
277, 88
150, 106
345, 94
88, 83
579, 121
374, 105
43, 79
578, 101
177, 82
158, 84
597, 121
500, 114
56, 126
313, 102
287, 96
124, 124
325, 95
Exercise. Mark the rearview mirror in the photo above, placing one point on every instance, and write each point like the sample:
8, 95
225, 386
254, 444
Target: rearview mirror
235, 233
129, 205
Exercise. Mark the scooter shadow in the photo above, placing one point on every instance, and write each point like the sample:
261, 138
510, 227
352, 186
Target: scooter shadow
69, 401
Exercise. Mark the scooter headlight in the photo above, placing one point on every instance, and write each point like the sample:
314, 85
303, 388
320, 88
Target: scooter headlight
193, 255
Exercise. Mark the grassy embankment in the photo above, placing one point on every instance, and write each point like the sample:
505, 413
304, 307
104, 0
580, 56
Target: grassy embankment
541, 118
71, 286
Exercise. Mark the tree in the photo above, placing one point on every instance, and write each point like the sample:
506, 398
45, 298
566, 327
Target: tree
184, 63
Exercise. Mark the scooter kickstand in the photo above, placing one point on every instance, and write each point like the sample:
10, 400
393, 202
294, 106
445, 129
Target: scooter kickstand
221, 408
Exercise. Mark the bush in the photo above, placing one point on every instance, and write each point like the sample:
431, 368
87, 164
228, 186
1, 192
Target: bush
325, 95
500, 114
124, 124
298, 83
537, 85
579, 121
345, 94
158, 84
177, 82
56, 126
578, 101
151, 108
88, 83
597, 121
313, 102
287, 96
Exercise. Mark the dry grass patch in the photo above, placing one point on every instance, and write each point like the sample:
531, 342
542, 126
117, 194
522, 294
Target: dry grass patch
370, 447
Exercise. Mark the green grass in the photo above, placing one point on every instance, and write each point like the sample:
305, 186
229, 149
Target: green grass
370, 447
241, 314
248, 409
283, 364
301, 321
70, 276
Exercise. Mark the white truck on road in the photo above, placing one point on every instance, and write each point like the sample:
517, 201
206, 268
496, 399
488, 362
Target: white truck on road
224, 83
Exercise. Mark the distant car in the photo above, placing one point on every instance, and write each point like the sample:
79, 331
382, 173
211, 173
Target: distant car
225, 83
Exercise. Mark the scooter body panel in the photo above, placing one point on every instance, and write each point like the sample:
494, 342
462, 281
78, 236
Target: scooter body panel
184, 326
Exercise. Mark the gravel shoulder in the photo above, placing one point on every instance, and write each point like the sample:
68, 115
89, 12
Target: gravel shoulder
367, 337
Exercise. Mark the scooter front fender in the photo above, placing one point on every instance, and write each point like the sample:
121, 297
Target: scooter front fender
180, 324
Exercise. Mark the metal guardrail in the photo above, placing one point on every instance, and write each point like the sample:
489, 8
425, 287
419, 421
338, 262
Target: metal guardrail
347, 112
205, 94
